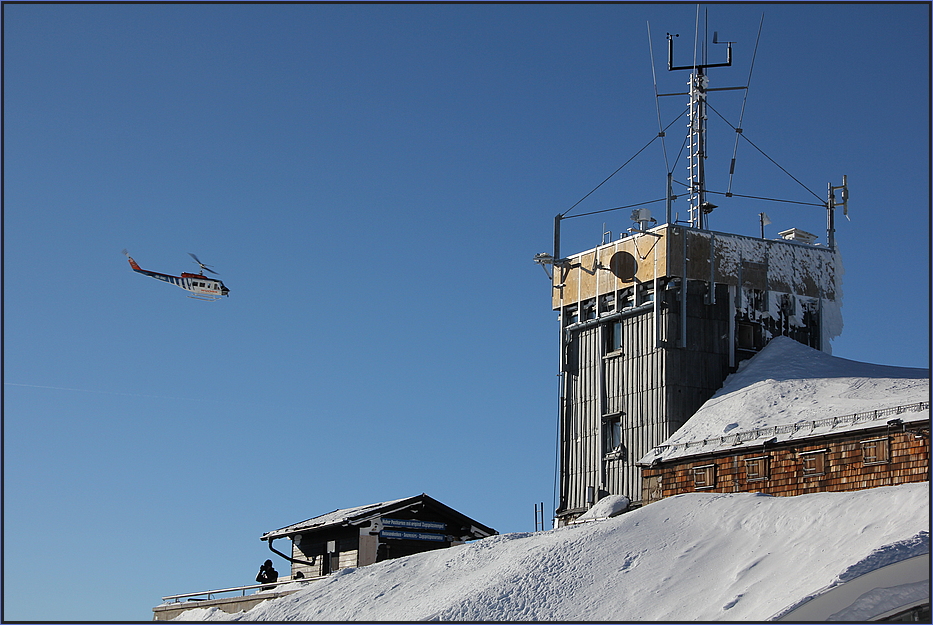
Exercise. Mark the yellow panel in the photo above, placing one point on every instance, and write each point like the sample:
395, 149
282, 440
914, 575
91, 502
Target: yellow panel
611, 267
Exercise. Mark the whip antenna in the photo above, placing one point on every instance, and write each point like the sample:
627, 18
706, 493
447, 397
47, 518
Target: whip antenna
657, 101
748, 83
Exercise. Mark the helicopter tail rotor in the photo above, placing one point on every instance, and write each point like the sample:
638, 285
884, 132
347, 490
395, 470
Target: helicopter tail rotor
202, 265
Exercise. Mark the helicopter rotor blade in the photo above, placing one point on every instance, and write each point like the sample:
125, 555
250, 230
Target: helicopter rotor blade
202, 265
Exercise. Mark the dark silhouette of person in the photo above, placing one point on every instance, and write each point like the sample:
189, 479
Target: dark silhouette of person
267, 575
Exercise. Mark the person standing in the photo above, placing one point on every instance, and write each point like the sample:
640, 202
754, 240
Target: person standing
267, 575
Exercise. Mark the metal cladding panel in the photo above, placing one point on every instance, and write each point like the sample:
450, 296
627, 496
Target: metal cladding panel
642, 397
651, 386
628, 384
581, 428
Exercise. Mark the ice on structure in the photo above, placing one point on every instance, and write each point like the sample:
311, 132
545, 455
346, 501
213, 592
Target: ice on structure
792, 270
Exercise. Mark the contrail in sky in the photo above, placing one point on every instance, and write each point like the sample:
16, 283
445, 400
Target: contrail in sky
84, 390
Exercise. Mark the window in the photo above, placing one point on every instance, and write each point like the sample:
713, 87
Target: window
757, 469
607, 303
875, 451
748, 336
648, 295
814, 462
612, 435
615, 337
704, 477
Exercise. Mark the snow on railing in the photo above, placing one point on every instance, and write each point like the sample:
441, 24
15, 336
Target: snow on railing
209, 593
792, 428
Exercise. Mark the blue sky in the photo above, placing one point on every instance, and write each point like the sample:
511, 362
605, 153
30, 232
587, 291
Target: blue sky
371, 182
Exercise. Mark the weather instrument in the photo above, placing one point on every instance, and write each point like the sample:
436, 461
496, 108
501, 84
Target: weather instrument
202, 287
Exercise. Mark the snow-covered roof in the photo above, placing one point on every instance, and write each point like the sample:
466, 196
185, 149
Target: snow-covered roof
360, 514
789, 391
337, 517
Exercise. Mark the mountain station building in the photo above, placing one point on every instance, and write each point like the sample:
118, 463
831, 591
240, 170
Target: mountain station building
363, 535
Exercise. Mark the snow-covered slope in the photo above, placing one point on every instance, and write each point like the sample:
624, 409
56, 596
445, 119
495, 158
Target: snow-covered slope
694, 557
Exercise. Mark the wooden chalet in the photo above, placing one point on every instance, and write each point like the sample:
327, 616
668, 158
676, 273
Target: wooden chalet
811, 446
351, 537
355, 537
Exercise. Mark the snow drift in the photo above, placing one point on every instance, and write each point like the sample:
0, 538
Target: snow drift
694, 557
787, 383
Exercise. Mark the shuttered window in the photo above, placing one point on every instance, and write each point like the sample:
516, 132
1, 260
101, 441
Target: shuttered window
813, 462
875, 451
757, 469
704, 476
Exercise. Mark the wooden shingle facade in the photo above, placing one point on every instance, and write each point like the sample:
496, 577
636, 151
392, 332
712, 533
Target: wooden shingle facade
888, 450
354, 537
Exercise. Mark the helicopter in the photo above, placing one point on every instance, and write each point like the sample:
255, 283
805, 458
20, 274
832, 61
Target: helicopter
203, 287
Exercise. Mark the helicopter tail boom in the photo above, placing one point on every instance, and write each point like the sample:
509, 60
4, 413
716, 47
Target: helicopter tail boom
153, 274
133, 264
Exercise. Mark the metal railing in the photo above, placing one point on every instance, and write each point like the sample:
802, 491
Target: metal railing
791, 428
209, 593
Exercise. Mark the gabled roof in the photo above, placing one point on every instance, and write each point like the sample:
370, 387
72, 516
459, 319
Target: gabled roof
361, 514
789, 391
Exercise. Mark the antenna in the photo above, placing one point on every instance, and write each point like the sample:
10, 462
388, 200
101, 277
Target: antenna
831, 210
699, 86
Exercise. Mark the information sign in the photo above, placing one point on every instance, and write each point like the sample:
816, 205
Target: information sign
414, 524
411, 535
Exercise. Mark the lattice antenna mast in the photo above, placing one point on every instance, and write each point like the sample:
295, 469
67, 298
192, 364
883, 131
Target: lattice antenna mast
696, 139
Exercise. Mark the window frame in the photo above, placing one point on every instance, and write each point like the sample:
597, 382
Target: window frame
612, 424
708, 471
614, 342
821, 462
882, 444
748, 336
764, 472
